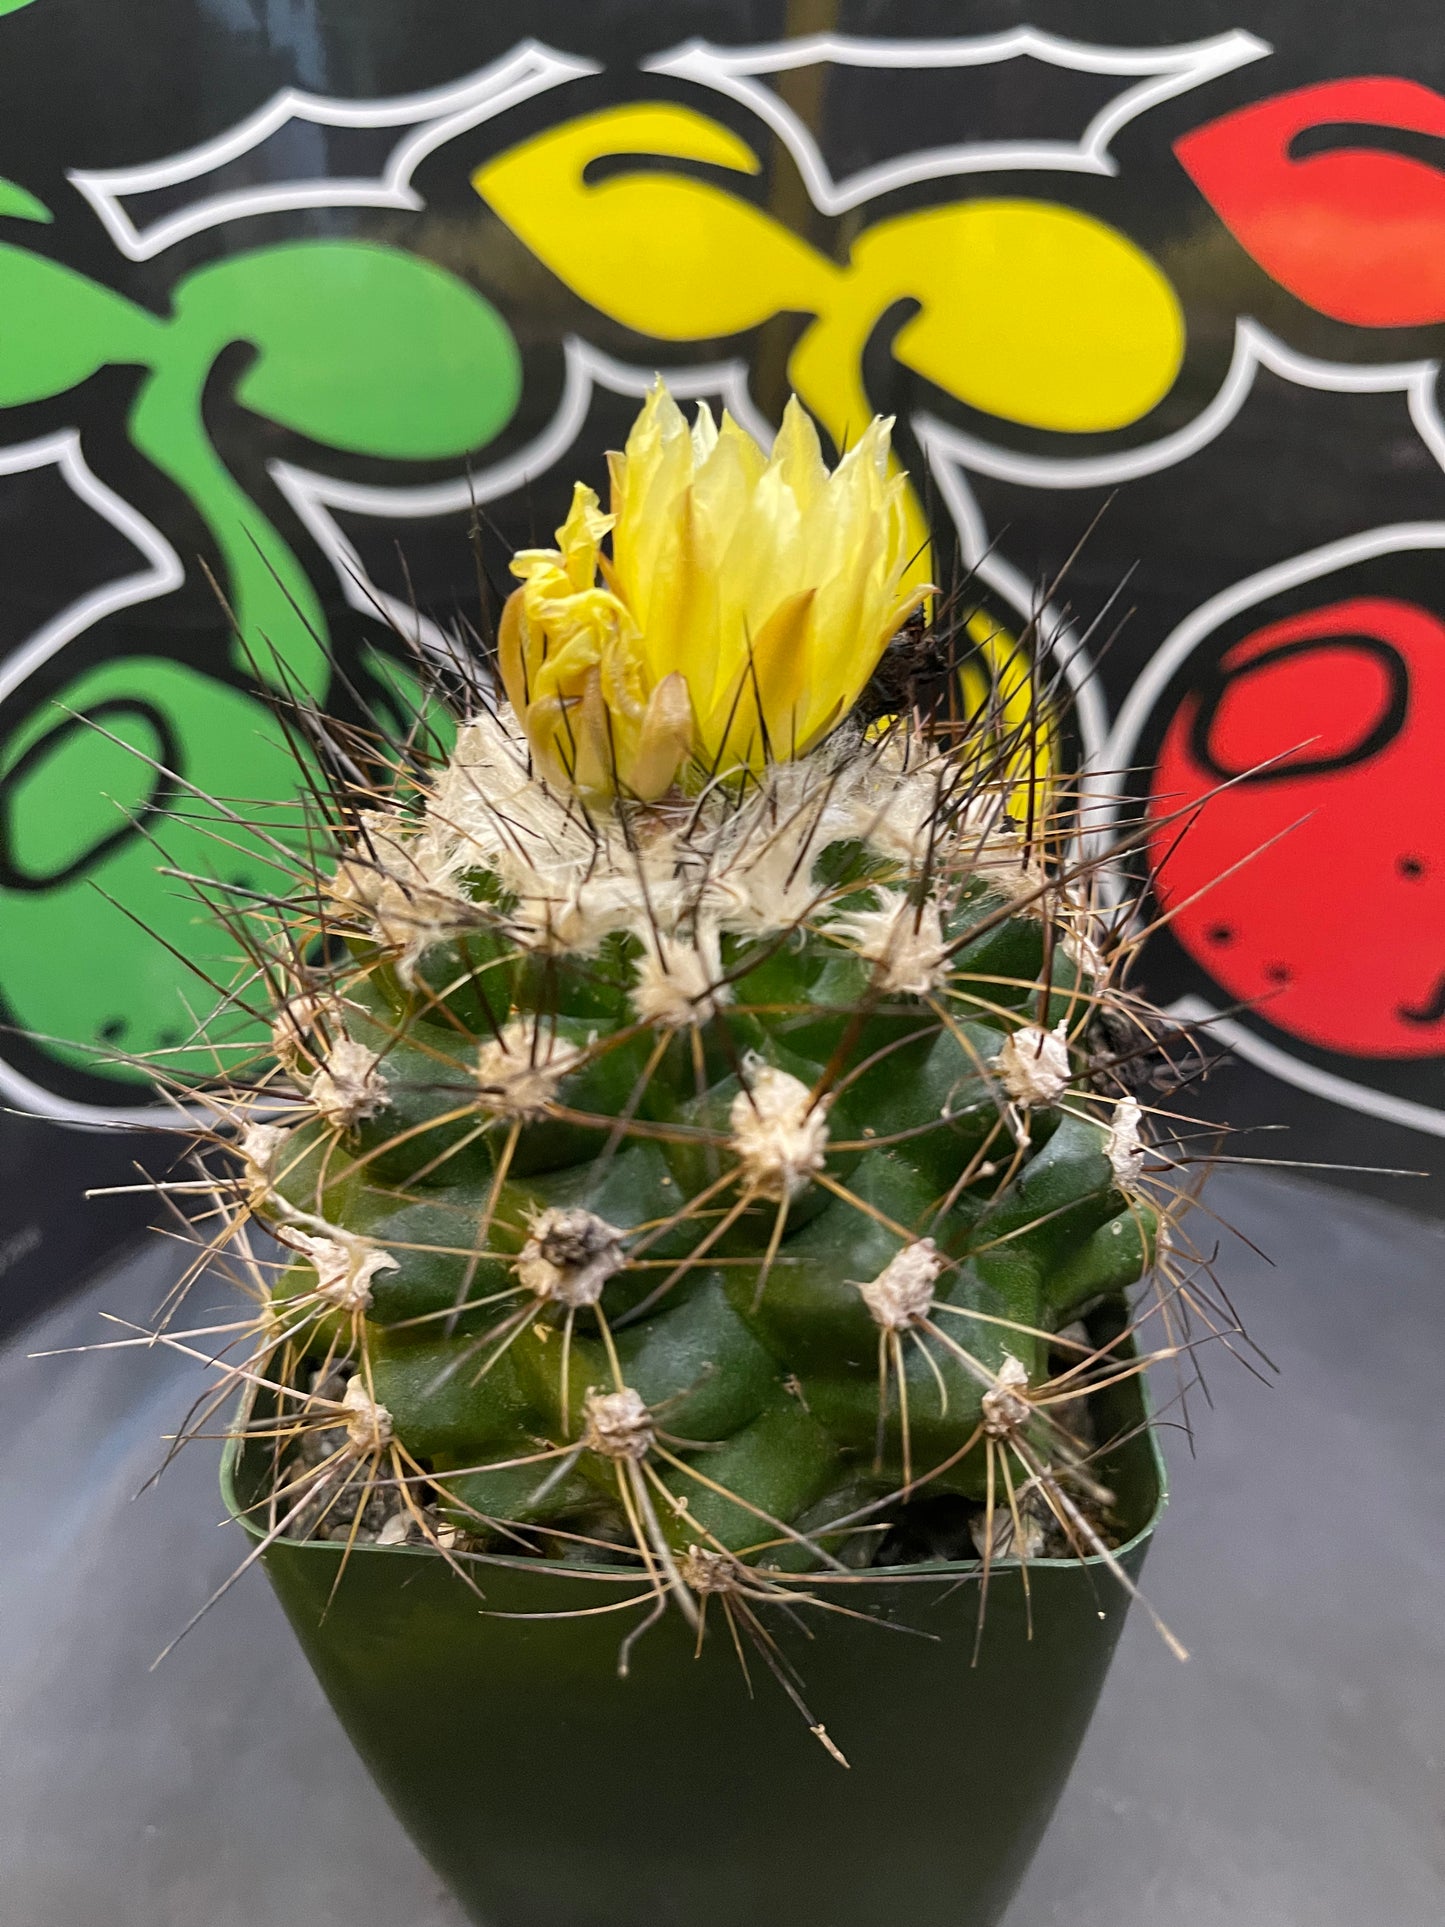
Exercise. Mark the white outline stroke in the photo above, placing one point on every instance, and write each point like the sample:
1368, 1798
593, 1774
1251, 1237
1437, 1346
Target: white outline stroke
163, 574
1308, 1077
1165, 71
1254, 348
439, 115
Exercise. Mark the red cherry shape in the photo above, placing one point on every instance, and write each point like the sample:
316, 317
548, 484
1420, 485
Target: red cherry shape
1299, 838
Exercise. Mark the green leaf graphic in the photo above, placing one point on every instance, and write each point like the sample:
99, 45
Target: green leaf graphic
361, 347
18, 202
57, 328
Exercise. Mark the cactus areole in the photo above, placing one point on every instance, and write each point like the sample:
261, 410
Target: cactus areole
696, 1167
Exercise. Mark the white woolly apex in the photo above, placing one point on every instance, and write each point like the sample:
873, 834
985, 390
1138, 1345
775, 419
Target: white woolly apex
345, 1267
1125, 1147
904, 939
762, 878
259, 1145
901, 1296
678, 979
618, 1424
519, 1072
368, 1425
400, 876
569, 1256
574, 878
1004, 1407
350, 1085
892, 802
779, 1134
1033, 1065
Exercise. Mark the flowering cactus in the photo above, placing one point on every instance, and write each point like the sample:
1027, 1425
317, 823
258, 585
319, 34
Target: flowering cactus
700, 1158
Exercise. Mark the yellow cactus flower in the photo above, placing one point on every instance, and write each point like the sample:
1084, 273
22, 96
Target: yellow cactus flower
744, 606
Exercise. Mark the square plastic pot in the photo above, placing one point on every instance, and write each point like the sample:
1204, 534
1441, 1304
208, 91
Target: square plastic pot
548, 1792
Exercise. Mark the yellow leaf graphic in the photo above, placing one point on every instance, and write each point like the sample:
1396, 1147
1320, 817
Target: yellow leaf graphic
672, 257
1003, 682
1031, 312
1028, 311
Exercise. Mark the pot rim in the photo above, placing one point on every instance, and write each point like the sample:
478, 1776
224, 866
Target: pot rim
1140, 1437
949, 1569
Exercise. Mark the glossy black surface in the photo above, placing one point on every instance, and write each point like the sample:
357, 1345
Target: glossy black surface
1320, 453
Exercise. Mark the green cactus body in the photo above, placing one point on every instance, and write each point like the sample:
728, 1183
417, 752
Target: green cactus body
689, 1178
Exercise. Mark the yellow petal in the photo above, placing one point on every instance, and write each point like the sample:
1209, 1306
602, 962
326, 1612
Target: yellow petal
704, 435
510, 652
624, 680
549, 734
779, 672
853, 678
680, 622
595, 773
721, 491
657, 471
797, 456
664, 741
580, 537
565, 666
743, 448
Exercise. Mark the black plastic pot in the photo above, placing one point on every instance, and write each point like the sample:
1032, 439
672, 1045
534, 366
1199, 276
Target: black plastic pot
550, 1793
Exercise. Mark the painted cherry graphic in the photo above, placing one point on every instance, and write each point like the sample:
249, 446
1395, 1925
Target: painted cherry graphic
1338, 191
1336, 932
356, 348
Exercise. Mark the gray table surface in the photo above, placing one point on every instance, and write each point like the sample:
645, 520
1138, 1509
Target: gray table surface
1288, 1776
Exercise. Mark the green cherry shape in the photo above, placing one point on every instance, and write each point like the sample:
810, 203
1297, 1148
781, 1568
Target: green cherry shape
76, 831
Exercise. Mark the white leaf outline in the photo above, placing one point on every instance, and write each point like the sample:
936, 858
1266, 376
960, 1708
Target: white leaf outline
438, 115
1165, 72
